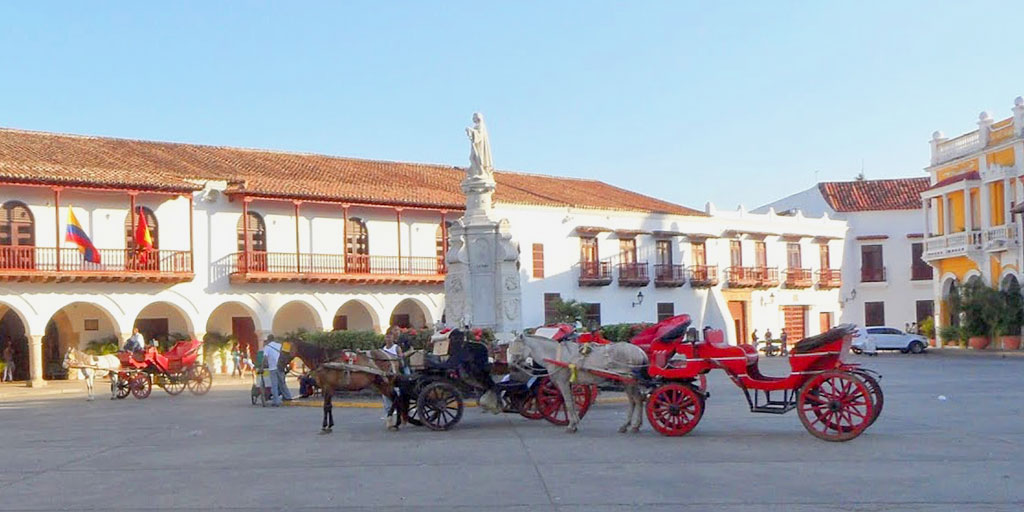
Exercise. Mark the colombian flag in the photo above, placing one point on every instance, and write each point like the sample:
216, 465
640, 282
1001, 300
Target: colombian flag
76, 235
143, 239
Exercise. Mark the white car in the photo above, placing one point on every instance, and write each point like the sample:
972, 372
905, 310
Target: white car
888, 338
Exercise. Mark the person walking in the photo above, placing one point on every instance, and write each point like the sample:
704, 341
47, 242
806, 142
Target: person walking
782, 338
236, 359
754, 338
278, 386
8, 361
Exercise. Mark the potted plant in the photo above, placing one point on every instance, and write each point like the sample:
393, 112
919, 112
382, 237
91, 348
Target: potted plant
927, 329
951, 334
1012, 317
216, 347
983, 310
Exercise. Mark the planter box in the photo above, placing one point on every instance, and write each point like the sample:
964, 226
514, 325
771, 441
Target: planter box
978, 342
1011, 342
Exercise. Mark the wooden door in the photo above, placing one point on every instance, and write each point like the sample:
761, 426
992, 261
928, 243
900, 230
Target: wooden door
664, 252
152, 328
826, 321
793, 259
796, 321
738, 311
244, 331
699, 254
17, 236
761, 254
627, 250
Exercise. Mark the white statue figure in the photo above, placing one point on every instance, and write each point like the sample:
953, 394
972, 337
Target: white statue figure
480, 163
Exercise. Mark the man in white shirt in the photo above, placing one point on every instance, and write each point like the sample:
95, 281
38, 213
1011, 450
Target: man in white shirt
136, 342
278, 387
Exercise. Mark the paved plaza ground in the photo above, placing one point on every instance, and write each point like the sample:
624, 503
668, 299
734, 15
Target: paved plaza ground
217, 452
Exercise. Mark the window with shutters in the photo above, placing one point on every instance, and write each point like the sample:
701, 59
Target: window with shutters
627, 250
666, 310
17, 236
699, 254
793, 259
871, 266
824, 256
735, 253
663, 250
538, 261
550, 313
253, 231
592, 317
919, 270
760, 254
874, 313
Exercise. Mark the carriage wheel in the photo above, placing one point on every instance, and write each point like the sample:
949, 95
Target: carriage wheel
123, 386
439, 406
552, 405
835, 406
173, 383
412, 411
877, 397
199, 379
530, 407
675, 409
141, 385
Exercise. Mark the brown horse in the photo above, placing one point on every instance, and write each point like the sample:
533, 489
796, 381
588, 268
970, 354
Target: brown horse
356, 371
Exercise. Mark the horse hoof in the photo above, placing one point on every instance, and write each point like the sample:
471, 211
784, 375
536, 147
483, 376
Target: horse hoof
325, 431
393, 429
90, 399
622, 430
570, 430
636, 429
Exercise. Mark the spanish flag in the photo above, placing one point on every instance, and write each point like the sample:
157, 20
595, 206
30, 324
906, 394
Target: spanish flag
143, 239
76, 235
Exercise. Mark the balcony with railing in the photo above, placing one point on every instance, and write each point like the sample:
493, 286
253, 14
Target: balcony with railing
751, 277
702, 276
634, 274
954, 244
595, 273
669, 276
872, 274
1000, 238
799, 278
49, 264
258, 266
829, 278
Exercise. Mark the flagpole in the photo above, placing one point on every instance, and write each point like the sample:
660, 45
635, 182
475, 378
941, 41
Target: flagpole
56, 212
130, 244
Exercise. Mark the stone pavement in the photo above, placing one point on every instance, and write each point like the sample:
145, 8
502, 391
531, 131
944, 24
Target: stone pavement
964, 451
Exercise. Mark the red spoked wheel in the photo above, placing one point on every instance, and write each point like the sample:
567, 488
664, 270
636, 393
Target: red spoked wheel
835, 406
141, 385
552, 406
530, 408
675, 409
877, 397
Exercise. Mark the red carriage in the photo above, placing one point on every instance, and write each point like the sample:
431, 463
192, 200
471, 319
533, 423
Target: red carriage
173, 371
835, 400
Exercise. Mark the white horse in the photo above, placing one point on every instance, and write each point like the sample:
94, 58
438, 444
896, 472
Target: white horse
90, 365
619, 359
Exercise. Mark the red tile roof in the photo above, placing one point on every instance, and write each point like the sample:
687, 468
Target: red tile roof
972, 176
51, 159
874, 195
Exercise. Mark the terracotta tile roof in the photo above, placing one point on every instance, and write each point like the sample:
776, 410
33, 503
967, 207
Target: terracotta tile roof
48, 158
972, 176
874, 195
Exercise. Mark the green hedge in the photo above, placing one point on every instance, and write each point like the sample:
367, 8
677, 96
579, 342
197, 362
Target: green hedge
345, 340
622, 332
102, 346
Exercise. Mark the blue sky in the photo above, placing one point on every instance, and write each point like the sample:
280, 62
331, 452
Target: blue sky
734, 103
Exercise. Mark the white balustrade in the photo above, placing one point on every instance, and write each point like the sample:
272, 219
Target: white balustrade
958, 147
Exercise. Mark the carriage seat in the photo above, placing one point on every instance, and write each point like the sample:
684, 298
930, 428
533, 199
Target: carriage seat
716, 338
812, 343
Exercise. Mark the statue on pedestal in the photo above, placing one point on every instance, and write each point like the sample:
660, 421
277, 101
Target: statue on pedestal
480, 163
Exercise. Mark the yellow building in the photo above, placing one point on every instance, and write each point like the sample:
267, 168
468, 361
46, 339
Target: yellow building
971, 230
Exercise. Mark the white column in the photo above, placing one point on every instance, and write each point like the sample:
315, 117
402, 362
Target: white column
985, 196
947, 215
261, 338
1008, 197
35, 361
927, 217
968, 220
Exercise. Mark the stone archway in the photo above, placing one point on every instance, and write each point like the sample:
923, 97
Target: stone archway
1008, 280
411, 313
238, 321
950, 293
82, 325
14, 332
163, 321
356, 315
295, 316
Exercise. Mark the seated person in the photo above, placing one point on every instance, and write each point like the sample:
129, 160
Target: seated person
307, 386
135, 342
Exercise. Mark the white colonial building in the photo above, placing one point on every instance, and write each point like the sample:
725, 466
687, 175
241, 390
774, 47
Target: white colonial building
254, 242
885, 279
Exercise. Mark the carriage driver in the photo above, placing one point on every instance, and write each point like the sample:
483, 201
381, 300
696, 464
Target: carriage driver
278, 387
135, 342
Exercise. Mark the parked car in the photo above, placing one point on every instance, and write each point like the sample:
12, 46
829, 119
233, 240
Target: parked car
888, 338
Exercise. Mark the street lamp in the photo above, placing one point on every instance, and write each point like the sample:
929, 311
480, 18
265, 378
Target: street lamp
639, 298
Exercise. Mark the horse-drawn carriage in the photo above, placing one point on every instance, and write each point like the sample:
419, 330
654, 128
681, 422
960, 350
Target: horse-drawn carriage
174, 370
456, 367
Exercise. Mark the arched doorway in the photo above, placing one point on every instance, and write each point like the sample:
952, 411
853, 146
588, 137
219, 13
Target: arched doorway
410, 313
354, 315
13, 334
235, 320
17, 236
295, 316
82, 325
164, 322
950, 301
1008, 282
